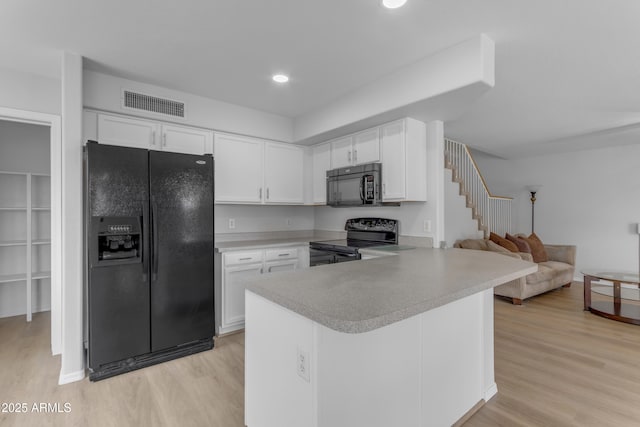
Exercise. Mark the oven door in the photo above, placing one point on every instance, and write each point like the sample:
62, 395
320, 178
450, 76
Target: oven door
320, 257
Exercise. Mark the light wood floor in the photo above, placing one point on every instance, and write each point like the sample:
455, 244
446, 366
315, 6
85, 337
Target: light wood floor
555, 366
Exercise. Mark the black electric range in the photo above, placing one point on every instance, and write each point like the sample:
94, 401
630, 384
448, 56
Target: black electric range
361, 233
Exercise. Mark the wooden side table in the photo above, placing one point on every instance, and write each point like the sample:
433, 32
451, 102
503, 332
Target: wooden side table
615, 309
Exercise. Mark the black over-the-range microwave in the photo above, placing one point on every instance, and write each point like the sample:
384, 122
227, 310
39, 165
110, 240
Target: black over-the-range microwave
355, 186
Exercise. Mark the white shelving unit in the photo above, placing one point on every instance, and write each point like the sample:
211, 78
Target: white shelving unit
25, 230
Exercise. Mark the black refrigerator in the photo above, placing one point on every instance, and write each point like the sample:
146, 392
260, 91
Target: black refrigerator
149, 264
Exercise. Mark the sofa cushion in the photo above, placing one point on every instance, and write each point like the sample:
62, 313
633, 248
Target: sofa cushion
503, 242
521, 243
544, 274
478, 244
563, 272
537, 248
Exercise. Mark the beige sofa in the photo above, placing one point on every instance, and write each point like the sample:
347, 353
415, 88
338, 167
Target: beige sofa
554, 273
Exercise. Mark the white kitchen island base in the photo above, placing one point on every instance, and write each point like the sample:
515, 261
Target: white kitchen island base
426, 370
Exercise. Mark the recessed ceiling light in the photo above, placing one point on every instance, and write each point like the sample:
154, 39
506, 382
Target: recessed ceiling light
280, 78
393, 4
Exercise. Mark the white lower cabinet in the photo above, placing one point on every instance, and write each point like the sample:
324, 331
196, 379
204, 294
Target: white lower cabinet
236, 266
233, 304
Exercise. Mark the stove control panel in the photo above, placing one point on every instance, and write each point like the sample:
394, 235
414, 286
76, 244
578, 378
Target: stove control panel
371, 224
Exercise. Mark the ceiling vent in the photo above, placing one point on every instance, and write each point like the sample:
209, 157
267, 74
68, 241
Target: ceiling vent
153, 104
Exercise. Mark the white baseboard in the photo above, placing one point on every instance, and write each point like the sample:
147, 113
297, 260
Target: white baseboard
71, 377
491, 391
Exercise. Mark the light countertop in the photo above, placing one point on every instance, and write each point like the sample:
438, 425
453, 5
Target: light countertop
261, 243
361, 296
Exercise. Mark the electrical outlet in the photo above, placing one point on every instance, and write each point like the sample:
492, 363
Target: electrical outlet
426, 226
302, 365
232, 223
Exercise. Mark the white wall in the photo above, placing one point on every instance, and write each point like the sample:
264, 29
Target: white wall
454, 76
23, 148
29, 92
263, 218
72, 366
589, 199
103, 92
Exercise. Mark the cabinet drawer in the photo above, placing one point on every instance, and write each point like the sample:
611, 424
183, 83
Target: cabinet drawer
279, 254
248, 257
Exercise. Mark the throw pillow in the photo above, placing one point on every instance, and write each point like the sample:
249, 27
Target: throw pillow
522, 244
537, 248
494, 247
503, 242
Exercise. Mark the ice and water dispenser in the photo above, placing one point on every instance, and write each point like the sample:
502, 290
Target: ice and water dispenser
119, 240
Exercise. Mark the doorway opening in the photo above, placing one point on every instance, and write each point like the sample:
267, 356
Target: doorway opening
30, 221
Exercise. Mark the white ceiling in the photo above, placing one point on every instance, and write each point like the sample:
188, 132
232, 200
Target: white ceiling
567, 72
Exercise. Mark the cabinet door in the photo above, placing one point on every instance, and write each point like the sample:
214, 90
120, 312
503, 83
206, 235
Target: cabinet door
341, 155
238, 169
393, 161
321, 164
283, 175
126, 132
233, 292
275, 266
180, 139
366, 147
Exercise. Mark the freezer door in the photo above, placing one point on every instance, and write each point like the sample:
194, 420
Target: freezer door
118, 290
181, 187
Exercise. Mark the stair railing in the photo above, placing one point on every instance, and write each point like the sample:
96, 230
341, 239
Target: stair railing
493, 213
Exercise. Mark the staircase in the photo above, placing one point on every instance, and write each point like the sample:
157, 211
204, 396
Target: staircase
493, 213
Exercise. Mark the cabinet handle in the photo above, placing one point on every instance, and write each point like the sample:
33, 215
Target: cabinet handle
245, 259
267, 193
153, 137
164, 140
260, 193
284, 254
355, 156
349, 156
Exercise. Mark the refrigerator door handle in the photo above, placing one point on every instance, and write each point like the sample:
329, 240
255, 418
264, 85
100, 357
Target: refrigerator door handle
154, 241
145, 240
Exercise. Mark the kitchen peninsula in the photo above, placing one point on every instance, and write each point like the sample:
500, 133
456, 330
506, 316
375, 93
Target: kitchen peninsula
401, 340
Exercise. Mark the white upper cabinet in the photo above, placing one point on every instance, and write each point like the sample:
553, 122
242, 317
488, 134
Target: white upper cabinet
341, 154
140, 133
253, 171
321, 164
283, 173
127, 132
357, 149
182, 139
238, 169
404, 161
366, 147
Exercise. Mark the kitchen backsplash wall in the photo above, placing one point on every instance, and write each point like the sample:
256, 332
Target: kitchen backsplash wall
250, 218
